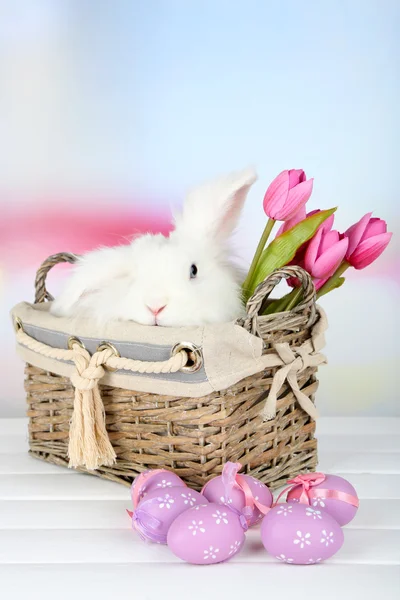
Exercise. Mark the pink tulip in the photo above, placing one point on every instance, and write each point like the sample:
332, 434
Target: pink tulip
300, 254
288, 192
324, 254
367, 240
300, 215
327, 224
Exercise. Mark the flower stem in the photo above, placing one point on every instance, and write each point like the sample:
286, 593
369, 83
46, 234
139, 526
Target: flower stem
260, 248
327, 287
294, 297
276, 306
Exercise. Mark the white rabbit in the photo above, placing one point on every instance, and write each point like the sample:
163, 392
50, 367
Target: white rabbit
184, 279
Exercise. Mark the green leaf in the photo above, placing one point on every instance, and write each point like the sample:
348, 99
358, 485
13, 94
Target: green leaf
330, 285
283, 248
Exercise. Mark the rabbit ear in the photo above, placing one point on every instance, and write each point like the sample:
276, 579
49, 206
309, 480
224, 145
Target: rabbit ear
214, 208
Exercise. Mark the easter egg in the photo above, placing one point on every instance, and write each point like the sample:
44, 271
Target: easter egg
301, 535
154, 514
206, 534
215, 491
341, 510
153, 479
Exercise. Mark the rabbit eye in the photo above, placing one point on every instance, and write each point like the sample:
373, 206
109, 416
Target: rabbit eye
193, 271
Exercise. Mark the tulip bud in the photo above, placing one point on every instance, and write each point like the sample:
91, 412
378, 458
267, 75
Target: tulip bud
324, 254
288, 192
367, 239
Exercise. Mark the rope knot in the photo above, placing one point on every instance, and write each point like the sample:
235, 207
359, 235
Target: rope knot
89, 444
88, 378
297, 358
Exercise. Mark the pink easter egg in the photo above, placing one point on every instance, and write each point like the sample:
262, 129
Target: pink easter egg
153, 479
215, 491
297, 534
341, 510
206, 534
156, 512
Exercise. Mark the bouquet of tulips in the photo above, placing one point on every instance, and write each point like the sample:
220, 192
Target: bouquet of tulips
308, 240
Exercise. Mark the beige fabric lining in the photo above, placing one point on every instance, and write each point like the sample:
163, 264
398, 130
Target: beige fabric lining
230, 354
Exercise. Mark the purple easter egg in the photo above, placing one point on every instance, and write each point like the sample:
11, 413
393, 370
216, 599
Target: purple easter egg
153, 479
154, 514
300, 535
343, 512
215, 491
206, 534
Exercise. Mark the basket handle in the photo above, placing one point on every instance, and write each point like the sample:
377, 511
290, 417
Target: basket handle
264, 289
41, 293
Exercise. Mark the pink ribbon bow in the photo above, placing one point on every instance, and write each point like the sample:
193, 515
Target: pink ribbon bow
305, 492
146, 525
232, 479
139, 482
306, 482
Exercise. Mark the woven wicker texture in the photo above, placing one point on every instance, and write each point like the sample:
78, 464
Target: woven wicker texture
192, 436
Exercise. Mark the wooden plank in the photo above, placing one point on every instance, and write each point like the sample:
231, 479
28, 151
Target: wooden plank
63, 486
18, 426
371, 486
60, 487
12, 444
180, 581
111, 514
359, 443
76, 514
358, 426
361, 546
57, 546
359, 462
377, 514
225, 581
25, 464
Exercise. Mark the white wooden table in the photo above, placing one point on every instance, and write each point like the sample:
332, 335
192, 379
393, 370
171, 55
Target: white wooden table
67, 535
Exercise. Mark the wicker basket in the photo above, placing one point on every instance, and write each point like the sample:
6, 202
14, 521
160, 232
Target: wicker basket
194, 437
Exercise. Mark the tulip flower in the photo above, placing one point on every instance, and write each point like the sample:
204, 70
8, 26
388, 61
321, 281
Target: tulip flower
367, 240
324, 254
300, 215
285, 196
288, 192
299, 257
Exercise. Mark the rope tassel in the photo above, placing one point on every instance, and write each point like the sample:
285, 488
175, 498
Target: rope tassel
89, 444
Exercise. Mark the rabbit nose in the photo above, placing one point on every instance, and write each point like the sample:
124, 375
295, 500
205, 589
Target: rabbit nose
156, 309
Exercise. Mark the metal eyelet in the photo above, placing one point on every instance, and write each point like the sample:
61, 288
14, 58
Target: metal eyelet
195, 356
74, 340
108, 346
18, 324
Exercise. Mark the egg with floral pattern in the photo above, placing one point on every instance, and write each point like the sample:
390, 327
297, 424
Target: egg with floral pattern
301, 535
217, 491
153, 479
207, 534
156, 512
343, 508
